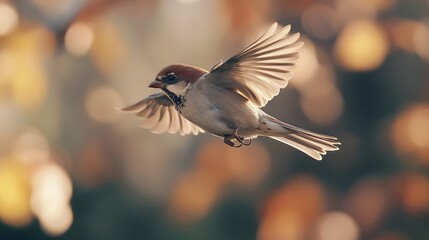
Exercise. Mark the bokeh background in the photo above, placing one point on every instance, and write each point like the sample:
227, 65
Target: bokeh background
73, 167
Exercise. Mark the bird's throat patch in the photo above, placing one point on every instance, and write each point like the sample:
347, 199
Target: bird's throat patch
179, 101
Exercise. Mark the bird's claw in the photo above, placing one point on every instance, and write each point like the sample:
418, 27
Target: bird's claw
241, 139
249, 141
229, 141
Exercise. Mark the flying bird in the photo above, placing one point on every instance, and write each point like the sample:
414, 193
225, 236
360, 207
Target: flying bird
226, 100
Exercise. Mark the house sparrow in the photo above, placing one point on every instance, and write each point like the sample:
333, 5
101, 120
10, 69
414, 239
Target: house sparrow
226, 101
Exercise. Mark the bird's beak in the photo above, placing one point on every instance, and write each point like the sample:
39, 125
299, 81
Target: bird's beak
156, 84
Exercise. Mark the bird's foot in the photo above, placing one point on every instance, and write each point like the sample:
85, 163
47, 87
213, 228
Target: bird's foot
230, 142
248, 142
241, 139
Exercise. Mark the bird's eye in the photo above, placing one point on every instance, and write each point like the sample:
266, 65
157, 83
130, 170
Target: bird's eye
170, 78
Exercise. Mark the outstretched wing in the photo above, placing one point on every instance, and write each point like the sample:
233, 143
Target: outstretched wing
259, 71
160, 116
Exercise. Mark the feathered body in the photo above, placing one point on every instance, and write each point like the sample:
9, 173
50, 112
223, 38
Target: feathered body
220, 117
226, 101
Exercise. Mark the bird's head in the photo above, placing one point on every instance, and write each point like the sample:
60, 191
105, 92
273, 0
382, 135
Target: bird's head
177, 78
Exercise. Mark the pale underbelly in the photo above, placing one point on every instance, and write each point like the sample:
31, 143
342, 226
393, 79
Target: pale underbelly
211, 121
223, 123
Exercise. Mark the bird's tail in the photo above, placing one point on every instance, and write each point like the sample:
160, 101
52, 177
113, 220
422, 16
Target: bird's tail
313, 144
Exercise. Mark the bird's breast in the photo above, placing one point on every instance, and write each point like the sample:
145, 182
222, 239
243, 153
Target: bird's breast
202, 112
219, 112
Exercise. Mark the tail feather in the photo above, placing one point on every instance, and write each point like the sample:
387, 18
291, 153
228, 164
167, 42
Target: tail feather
307, 150
313, 144
297, 129
328, 144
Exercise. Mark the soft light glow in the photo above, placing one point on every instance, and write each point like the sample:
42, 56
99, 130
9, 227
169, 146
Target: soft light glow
410, 133
418, 127
403, 32
193, 197
289, 212
79, 38
25, 49
337, 226
367, 202
7, 66
31, 147
56, 222
14, 193
108, 49
248, 167
50, 183
50, 198
187, 1
421, 40
307, 65
320, 21
28, 48
351, 10
217, 167
361, 46
359, 9
322, 103
29, 87
100, 104
244, 167
8, 18
414, 190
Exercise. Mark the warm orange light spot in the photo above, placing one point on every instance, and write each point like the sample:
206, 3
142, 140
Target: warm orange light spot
289, 212
418, 127
410, 133
217, 167
7, 66
337, 226
361, 46
193, 197
27, 49
421, 39
29, 87
414, 193
244, 166
402, 33
14, 194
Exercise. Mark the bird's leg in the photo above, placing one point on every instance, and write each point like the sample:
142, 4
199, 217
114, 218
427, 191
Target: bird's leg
241, 139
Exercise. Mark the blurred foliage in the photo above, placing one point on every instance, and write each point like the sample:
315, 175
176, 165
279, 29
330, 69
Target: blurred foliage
73, 167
